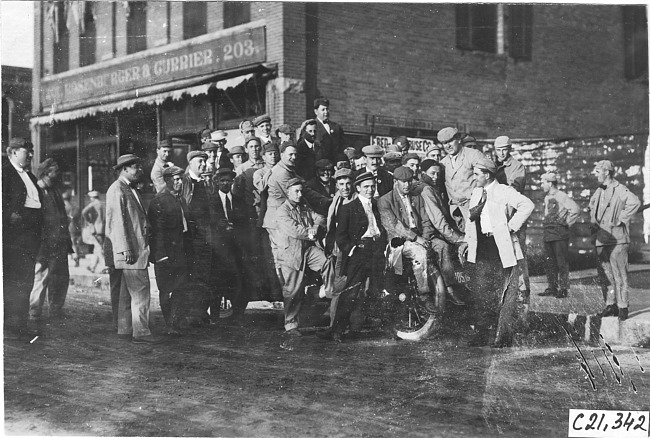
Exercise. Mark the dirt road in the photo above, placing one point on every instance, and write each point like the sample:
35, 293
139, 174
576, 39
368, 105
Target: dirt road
248, 381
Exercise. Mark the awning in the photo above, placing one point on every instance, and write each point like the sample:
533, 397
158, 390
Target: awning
149, 96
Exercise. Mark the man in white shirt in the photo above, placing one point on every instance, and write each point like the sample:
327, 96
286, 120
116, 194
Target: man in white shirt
328, 133
21, 237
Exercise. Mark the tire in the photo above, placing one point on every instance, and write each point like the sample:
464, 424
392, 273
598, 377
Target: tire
410, 321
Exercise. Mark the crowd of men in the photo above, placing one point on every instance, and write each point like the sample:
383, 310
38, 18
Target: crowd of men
264, 219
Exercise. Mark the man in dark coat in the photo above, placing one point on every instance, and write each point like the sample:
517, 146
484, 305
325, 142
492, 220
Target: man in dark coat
21, 234
383, 178
310, 151
328, 133
323, 182
169, 241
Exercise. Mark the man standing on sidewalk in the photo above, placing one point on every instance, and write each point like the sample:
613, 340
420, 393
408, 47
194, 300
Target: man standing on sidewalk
560, 212
611, 207
127, 227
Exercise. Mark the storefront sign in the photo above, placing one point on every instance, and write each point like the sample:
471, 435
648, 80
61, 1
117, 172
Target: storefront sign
402, 122
418, 145
157, 67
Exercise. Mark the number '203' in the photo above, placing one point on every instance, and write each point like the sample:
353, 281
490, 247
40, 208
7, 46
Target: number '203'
238, 49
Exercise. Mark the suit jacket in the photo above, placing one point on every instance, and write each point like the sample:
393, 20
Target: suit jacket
14, 194
332, 143
306, 158
352, 223
316, 185
459, 179
332, 212
508, 210
384, 180
127, 226
395, 220
438, 213
512, 173
293, 238
167, 237
56, 234
620, 204
245, 189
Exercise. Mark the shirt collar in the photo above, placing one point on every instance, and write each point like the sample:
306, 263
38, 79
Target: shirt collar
193, 175
17, 167
490, 186
364, 200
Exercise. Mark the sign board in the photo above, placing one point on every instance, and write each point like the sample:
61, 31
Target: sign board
221, 53
418, 145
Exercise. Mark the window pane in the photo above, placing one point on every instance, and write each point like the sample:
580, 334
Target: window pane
62, 46
521, 32
236, 13
194, 19
635, 33
136, 27
87, 37
476, 27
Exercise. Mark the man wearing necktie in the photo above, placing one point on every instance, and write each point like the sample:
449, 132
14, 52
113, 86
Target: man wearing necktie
383, 178
169, 244
496, 213
328, 133
404, 217
610, 208
128, 229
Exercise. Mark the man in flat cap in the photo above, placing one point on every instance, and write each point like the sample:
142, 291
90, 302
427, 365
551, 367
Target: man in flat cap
162, 156
263, 129
217, 151
128, 229
402, 143
22, 216
236, 155
247, 129
328, 133
285, 132
296, 233
459, 179
169, 246
383, 178
323, 182
497, 212
392, 160
51, 275
560, 212
434, 152
309, 150
412, 161
611, 208
405, 219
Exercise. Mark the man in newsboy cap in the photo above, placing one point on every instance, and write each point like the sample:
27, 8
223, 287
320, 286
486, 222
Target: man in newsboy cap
459, 179
610, 209
383, 178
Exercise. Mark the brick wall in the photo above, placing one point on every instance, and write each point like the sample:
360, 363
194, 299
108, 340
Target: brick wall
401, 60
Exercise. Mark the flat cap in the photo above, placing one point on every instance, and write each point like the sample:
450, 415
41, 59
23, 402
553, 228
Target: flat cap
165, 143
363, 177
351, 153
373, 151
194, 154
321, 101
246, 125
261, 119
287, 144
402, 142
604, 165
224, 171
285, 129
469, 140
549, 177
393, 148
428, 163
125, 160
209, 146
445, 135
294, 182
17, 143
250, 138
393, 156
502, 142
93, 194
486, 164
236, 150
343, 173
324, 164
410, 156
218, 136
271, 147
172, 170
403, 173
205, 132
433, 147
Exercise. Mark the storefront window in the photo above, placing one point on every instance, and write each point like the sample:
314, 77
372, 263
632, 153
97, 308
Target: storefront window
246, 101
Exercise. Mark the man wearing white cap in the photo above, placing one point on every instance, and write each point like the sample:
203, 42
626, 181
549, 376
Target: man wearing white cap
610, 208
560, 212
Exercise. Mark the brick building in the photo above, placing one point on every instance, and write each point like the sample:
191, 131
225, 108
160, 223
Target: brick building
16, 102
112, 78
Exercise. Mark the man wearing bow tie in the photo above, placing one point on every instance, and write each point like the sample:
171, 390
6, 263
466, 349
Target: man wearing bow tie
328, 133
611, 207
128, 229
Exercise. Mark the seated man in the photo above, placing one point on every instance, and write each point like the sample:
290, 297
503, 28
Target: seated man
323, 182
404, 217
297, 226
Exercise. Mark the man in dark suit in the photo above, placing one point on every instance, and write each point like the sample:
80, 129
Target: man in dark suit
21, 235
323, 183
383, 178
169, 241
404, 216
231, 228
309, 151
361, 239
328, 133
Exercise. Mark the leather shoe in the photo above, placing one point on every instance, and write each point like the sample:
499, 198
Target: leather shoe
293, 332
453, 299
563, 293
149, 339
611, 310
622, 313
548, 292
427, 302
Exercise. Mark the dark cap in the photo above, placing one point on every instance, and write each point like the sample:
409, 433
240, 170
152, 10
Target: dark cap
294, 182
364, 177
205, 133
469, 141
321, 101
165, 143
402, 142
403, 173
193, 154
271, 146
236, 150
250, 138
126, 160
287, 144
209, 146
410, 156
17, 143
351, 153
393, 156
343, 173
324, 164
171, 171
285, 129
224, 171
261, 119
428, 163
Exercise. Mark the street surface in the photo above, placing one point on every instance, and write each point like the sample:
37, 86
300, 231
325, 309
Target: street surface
80, 379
